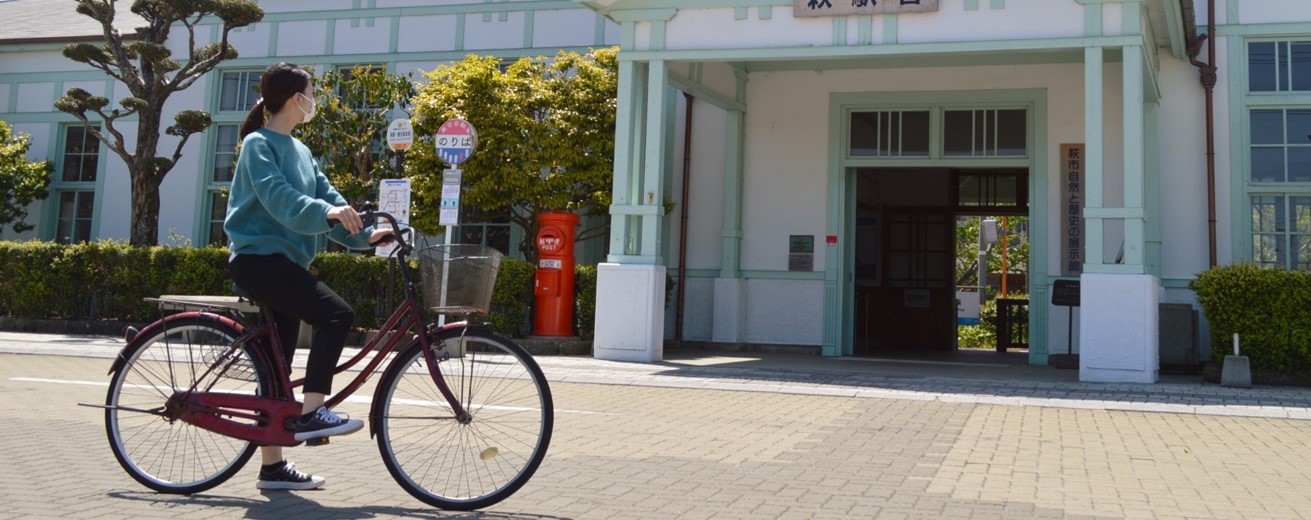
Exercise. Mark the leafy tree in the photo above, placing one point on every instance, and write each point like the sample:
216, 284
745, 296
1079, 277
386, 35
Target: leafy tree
349, 131
967, 248
545, 137
21, 182
142, 62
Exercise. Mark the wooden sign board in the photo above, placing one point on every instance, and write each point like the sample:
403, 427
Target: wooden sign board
802, 8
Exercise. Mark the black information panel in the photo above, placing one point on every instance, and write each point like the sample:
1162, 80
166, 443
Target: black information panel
1065, 293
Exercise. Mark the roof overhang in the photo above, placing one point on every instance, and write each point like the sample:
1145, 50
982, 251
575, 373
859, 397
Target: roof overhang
1172, 21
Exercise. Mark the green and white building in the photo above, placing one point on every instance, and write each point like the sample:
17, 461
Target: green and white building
865, 128
829, 148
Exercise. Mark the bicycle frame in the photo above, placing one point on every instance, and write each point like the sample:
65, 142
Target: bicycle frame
268, 418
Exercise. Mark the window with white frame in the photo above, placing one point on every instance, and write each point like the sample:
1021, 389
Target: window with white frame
348, 73
488, 228
1282, 66
74, 190
220, 178
1279, 152
238, 91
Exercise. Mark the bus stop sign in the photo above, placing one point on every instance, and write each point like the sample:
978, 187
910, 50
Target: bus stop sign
456, 141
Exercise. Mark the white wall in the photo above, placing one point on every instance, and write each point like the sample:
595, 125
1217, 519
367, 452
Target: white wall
719, 28
787, 157
786, 165
1264, 11
1183, 172
706, 192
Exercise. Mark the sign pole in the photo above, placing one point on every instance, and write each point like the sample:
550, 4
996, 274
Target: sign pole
400, 136
455, 141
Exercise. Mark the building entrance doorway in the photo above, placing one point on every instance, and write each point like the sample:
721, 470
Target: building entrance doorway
905, 273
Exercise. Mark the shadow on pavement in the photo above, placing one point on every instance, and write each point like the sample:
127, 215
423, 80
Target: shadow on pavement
282, 504
974, 374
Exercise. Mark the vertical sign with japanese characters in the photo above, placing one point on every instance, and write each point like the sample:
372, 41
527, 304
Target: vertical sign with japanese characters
1072, 202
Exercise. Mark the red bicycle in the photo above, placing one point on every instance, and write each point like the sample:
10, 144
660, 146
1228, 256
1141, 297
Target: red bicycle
462, 416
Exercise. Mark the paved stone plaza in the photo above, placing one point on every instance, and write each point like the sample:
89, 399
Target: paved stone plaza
719, 436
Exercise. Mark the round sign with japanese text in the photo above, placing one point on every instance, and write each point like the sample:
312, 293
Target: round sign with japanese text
547, 242
456, 141
400, 135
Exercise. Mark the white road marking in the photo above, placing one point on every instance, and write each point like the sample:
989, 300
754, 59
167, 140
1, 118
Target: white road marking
351, 399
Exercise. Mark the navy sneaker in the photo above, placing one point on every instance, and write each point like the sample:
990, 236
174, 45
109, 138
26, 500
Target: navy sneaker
284, 475
323, 423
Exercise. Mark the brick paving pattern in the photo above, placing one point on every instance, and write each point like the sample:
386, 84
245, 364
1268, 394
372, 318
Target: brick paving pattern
684, 441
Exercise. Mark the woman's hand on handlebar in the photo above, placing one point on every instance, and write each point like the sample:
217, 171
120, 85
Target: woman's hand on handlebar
348, 217
381, 237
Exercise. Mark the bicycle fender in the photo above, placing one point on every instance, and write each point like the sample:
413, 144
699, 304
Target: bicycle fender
161, 323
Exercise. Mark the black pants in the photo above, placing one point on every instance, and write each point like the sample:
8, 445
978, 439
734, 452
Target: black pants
295, 295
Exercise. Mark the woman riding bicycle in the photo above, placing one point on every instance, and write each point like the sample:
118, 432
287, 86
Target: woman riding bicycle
280, 202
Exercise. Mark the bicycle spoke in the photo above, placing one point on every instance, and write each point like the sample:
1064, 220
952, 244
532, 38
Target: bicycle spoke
466, 464
160, 450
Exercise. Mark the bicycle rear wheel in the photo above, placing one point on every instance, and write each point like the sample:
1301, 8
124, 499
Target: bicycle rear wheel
149, 440
474, 462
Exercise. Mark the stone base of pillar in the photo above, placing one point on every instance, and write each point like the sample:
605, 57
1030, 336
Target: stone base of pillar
1119, 327
630, 312
730, 310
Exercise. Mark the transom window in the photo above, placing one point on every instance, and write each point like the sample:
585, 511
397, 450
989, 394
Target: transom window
890, 134
990, 191
986, 133
1279, 66
980, 133
239, 91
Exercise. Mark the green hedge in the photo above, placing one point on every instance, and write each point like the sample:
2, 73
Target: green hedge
109, 280
1269, 308
984, 335
585, 300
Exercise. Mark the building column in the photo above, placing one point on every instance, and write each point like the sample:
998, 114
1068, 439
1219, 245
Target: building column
1119, 314
730, 289
630, 292
730, 315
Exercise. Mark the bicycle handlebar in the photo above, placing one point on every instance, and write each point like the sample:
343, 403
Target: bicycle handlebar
368, 213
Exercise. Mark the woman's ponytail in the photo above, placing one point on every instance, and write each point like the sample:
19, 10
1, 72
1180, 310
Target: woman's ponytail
254, 120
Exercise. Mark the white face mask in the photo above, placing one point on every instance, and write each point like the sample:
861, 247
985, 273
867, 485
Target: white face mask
309, 114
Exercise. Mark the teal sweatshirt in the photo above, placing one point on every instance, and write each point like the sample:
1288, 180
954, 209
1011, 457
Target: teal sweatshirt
279, 201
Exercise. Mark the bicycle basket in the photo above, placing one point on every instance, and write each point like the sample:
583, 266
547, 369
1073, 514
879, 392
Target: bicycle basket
458, 278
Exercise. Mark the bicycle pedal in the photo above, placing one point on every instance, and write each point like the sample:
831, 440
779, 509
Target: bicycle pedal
318, 441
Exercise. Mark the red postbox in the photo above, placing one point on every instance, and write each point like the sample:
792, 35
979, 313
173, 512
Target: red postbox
553, 286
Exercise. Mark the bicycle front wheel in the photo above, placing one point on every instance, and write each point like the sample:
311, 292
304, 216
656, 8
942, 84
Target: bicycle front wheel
148, 438
471, 462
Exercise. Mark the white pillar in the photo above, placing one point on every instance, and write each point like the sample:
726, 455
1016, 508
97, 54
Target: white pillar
1118, 334
1119, 314
630, 312
630, 287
